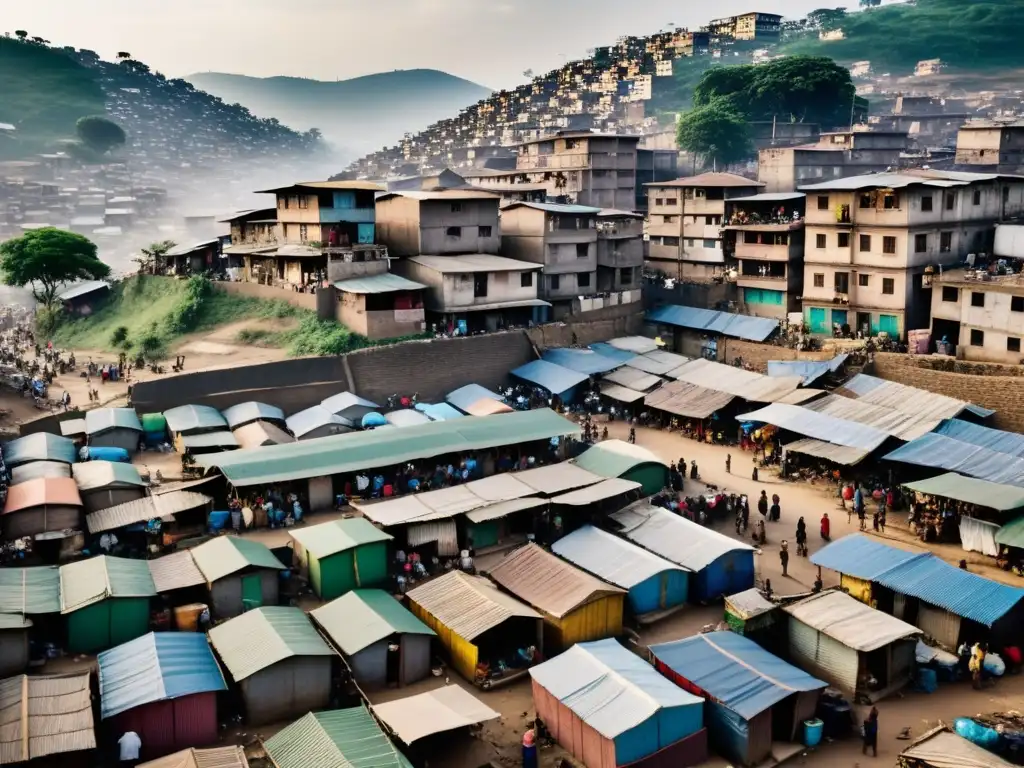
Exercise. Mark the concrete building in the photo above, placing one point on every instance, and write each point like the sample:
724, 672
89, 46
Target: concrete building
620, 250
439, 223
981, 315
748, 26
765, 234
332, 213
684, 223
836, 155
869, 240
653, 165
988, 146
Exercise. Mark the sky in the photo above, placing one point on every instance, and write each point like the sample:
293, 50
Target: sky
491, 42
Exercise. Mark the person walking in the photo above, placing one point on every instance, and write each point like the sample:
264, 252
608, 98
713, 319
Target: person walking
753, 475
801, 538
858, 506
762, 504
728, 463
745, 511
775, 513
826, 527
784, 558
632, 435
869, 732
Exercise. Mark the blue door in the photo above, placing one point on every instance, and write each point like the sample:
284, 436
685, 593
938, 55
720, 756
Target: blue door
889, 324
816, 319
839, 317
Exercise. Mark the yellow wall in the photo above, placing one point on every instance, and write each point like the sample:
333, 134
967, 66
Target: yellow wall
464, 654
594, 621
857, 588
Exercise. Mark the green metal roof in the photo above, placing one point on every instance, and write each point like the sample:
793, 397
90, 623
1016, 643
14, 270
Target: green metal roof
89, 581
342, 738
105, 419
1011, 534
362, 617
262, 637
337, 536
228, 554
380, 448
30, 590
614, 458
962, 488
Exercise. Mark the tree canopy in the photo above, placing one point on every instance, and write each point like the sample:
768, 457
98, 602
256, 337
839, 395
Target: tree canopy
45, 259
717, 131
99, 133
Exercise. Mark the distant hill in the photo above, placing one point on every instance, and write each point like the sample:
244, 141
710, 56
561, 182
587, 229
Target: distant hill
358, 114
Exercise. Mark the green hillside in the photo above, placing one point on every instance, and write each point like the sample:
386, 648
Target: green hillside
42, 93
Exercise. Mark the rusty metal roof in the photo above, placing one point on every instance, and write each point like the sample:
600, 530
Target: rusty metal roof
468, 605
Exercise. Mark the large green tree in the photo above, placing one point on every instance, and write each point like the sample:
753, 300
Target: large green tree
100, 133
45, 259
718, 131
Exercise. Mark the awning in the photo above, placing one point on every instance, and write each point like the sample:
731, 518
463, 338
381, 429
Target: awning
622, 394
443, 709
838, 454
503, 508
608, 489
971, 490
690, 401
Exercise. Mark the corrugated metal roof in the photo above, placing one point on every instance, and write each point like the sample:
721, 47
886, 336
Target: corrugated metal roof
808, 370
748, 604
1010, 535
715, 322
585, 361
370, 450
638, 345
709, 179
337, 536
306, 421
899, 424
362, 617
838, 454
941, 452
244, 413
633, 378
735, 671
40, 492
622, 394
406, 417
738, 382
558, 478
261, 433
614, 458
175, 571
45, 715
85, 582
193, 418
37, 469
383, 283
72, 427
862, 557
554, 378
469, 394
264, 636
341, 738
769, 197
657, 363
156, 667
91, 286
876, 181
607, 489
849, 621
217, 439
942, 748
673, 537
981, 492
547, 583
343, 403
103, 419
225, 555
608, 687
920, 402
216, 757
30, 590
611, 558
437, 711
42, 446
366, 186
682, 398
501, 509
468, 605
960, 592
96, 474
820, 426
440, 411
998, 440
163, 506
475, 262
556, 208
14, 621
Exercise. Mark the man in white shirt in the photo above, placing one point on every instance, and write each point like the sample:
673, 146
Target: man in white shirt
130, 745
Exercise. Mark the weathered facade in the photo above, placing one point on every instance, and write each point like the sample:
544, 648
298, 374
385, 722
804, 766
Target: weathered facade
834, 156
445, 222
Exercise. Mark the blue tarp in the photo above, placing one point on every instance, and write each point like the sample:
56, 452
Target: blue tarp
621, 356
809, 370
862, 557
1010, 443
464, 397
712, 321
554, 378
942, 452
582, 360
42, 446
440, 411
735, 670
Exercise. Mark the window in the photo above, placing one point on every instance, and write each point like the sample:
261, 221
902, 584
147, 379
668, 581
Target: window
553, 282
711, 244
456, 207
822, 202
865, 243
926, 203
1012, 344
483, 231
284, 200
572, 143
819, 280
889, 244
582, 250
690, 242
751, 238
950, 201
671, 241
303, 233
842, 282
303, 202
888, 286
890, 201
920, 243
867, 201
821, 241
626, 275
526, 280
480, 285
659, 201
950, 294
670, 219
1017, 303
583, 279
863, 280
945, 242
976, 197
977, 299
977, 338
709, 221
844, 239
453, 232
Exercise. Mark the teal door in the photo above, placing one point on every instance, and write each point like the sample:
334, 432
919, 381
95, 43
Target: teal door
839, 317
889, 324
816, 319
252, 591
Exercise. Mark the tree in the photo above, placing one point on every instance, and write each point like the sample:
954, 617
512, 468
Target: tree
99, 133
45, 259
826, 19
123, 55
717, 131
21, 34
153, 256
870, 3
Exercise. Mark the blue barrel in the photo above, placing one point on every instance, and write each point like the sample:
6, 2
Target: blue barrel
812, 732
219, 519
927, 680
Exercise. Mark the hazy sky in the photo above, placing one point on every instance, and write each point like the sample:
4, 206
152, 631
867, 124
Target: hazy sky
488, 41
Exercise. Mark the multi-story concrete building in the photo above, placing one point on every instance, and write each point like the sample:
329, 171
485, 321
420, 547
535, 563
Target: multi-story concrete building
331, 213
765, 234
748, 26
620, 250
684, 223
980, 314
836, 155
439, 223
988, 146
870, 239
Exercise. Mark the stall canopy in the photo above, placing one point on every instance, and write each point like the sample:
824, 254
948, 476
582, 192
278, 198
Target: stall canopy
225, 555
808, 370
554, 378
194, 418
45, 491
611, 558
622, 394
463, 397
42, 446
245, 413
892, 394
614, 458
636, 345
341, 738
437, 711
735, 671
440, 411
818, 426
850, 622
348, 405
971, 490
941, 748
45, 715
898, 424
304, 422
585, 361
837, 454
681, 398
30, 590
738, 382
1010, 535
468, 605
163, 506
362, 617
213, 757
998, 440
104, 419
713, 322
633, 378
862, 557
941, 452
607, 489
175, 571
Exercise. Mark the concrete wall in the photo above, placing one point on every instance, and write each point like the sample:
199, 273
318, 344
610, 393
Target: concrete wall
758, 355
437, 217
257, 291
599, 325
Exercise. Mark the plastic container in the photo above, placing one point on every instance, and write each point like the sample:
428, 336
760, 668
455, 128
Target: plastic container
219, 519
927, 680
154, 422
105, 453
813, 730
186, 617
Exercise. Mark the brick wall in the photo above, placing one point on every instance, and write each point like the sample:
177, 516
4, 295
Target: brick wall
758, 355
269, 293
999, 387
600, 325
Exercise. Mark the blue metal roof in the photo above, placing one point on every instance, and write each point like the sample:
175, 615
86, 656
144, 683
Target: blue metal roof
942, 452
42, 446
464, 397
862, 557
809, 370
585, 361
156, 667
244, 413
621, 356
1010, 443
440, 411
820, 426
554, 378
712, 321
960, 592
735, 670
